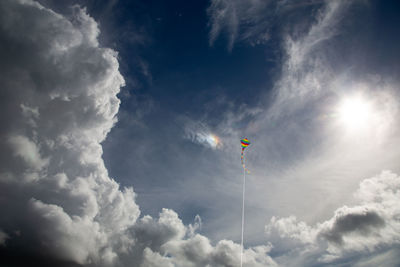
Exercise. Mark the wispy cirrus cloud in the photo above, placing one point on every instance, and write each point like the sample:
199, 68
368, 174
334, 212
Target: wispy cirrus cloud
252, 21
240, 20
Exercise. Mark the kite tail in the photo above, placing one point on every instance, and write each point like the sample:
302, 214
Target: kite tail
242, 158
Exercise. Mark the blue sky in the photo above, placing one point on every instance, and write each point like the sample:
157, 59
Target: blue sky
178, 76
123, 143
183, 77
186, 80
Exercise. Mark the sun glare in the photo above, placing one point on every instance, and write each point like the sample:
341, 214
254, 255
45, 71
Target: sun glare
355, 113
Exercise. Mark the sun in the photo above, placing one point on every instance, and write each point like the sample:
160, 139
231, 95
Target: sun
355, 112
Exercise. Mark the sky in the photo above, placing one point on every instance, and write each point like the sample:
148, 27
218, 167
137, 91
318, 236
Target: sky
121, 126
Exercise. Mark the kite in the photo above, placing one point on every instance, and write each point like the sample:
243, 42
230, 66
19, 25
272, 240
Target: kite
245, 143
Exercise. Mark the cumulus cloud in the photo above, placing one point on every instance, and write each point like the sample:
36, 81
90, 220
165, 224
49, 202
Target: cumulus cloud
60, 89
26, 150
197, 251
370, 227
166, 241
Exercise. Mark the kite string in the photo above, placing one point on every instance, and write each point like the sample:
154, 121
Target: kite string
244, 185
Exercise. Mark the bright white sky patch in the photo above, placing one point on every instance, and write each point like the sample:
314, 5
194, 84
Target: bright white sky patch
371, 116
355, 113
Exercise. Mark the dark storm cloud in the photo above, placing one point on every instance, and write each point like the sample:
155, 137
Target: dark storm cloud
16, 257
364, 223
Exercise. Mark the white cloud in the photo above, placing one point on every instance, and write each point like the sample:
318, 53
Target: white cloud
369, 227
167, 241
196, 226
154, 259
28, 151
60, 88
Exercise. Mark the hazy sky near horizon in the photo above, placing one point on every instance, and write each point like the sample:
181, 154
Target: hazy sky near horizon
122, 121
